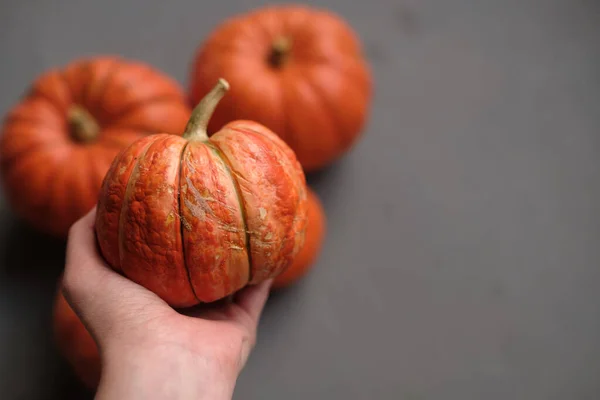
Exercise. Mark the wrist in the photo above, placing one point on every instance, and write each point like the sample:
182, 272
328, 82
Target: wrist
163, 371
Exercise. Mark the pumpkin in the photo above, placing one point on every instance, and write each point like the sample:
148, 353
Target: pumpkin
299, 71
58, 142
75, 343
195, 219
315, 233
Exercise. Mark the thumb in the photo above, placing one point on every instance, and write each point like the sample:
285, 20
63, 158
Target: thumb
103, 299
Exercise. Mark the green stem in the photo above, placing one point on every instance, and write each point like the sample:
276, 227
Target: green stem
198, 123
83, 127
280, 50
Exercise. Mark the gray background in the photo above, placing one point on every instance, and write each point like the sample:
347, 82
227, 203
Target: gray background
462, 257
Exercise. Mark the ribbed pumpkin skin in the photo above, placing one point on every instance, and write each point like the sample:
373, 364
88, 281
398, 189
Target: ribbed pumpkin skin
52, 172
195, 221
316, 229
297, 70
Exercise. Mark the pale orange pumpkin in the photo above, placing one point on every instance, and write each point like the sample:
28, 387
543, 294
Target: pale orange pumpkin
297, 70
194, 219
75, 343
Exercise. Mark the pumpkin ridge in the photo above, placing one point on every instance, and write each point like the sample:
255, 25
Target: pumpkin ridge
230, 49
62, 74
331, 110
352, 76
87, 98
292, 225
29, 120
116, 119
246, 129
44, 206
286, 135
285, 237
86, 68
116, 68
9, 164
351, 68
181, 232
259, 21
37, 94
112, 143
124, 205
240, 198
39, 146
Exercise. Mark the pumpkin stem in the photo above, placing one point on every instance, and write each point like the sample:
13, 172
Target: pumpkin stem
280, 51
82, 125
198, 123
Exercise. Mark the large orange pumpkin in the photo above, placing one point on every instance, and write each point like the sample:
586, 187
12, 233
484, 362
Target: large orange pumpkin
59, 141
75, 343
195, 219
297, 70
316, 228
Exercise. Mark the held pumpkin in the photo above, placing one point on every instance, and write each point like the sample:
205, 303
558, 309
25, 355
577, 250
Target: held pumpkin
316, 228
299, 71
59, 141
195, 219
79, 348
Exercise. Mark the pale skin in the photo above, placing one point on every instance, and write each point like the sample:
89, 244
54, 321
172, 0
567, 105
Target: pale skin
149, 350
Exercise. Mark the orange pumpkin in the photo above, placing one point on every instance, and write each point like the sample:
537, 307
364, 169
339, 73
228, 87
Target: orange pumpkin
59, 141
195, 219
315, 233
299, 71
75, 343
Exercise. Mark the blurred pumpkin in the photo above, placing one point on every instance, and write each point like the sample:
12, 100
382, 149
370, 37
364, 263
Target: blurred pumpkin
58, 142
75, 343
316, 228
193, 218
297, 70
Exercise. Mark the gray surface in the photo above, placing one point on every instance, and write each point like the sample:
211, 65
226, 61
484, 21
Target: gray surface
461, 260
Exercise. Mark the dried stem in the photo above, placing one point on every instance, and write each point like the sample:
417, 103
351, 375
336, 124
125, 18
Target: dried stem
196, 128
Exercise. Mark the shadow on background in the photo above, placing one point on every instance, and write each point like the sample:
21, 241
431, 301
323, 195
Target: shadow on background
326, 183
280, 306
30, 265
28, 255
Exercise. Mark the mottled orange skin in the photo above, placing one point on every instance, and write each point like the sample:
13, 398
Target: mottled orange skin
213, 223
75, 343
317, 99
316, 229
49, 177
200, 219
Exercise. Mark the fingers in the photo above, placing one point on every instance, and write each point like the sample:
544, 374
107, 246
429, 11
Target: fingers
84, 267
252, 300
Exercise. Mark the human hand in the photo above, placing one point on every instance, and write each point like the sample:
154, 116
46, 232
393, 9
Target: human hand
148, 349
